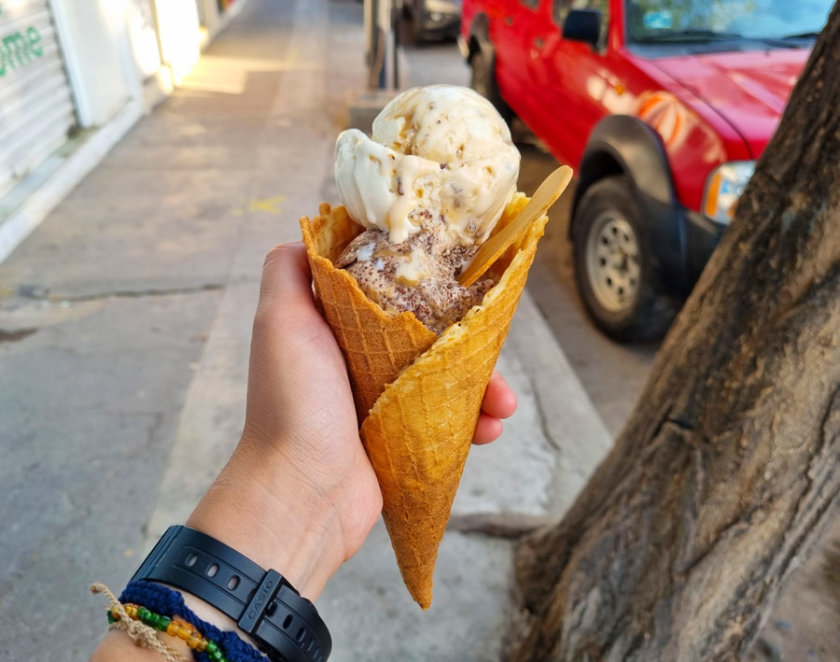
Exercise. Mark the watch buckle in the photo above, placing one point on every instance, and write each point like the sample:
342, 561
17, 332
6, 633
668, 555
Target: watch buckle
260, 602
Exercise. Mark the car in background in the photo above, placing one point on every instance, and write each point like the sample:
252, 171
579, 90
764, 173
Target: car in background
662, 108
433, 19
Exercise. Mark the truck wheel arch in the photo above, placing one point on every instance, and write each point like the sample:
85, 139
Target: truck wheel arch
623, 144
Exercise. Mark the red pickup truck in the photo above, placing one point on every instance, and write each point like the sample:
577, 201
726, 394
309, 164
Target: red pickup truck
661, 107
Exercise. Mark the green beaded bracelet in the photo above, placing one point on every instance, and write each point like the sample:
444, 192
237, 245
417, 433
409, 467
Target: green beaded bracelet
175, 627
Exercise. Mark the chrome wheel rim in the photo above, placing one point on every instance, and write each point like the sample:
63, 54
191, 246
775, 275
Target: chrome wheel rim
613, 262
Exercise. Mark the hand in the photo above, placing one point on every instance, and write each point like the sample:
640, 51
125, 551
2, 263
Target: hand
298, 494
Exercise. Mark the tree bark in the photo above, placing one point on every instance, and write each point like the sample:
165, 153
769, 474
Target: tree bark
727, 471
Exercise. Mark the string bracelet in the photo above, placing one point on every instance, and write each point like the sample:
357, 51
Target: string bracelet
142, 634
174, 627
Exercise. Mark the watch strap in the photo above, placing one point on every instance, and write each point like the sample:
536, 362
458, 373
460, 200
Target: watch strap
285, 625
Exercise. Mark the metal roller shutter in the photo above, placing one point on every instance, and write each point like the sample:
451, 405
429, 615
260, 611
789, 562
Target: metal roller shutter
36, 106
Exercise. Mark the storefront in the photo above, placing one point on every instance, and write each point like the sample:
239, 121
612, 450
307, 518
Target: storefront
75, 75
36, 103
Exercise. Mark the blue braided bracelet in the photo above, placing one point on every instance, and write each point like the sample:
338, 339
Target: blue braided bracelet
163, 600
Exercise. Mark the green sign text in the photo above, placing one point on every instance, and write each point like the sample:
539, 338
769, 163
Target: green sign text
19, 48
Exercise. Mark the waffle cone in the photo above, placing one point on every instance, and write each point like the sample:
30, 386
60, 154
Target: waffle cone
418, 396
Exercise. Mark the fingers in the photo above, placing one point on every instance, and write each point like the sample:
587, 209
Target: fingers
499, 400
487, 429
293, 352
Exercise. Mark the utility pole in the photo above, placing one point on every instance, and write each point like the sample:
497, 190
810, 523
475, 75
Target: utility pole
381, 40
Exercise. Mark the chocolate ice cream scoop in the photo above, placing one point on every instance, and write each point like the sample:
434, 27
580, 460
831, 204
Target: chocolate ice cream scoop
419, 274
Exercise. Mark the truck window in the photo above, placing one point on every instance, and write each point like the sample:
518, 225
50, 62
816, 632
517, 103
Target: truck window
530, 4
562, 7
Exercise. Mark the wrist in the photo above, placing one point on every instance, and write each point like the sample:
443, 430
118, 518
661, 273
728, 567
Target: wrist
264, 510
257, 606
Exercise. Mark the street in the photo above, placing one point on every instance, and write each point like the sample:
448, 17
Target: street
125, 322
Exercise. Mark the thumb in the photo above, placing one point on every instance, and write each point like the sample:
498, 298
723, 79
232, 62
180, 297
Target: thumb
286, 277
286, 302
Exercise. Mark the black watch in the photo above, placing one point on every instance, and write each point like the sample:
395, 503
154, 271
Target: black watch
285, 625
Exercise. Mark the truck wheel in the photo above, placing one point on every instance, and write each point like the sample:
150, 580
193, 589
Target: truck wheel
615, 272
483, 81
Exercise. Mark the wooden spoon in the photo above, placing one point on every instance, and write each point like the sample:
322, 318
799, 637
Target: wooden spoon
492, 249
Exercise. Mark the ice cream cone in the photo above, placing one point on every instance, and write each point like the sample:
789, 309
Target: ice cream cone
376, 346
418, 396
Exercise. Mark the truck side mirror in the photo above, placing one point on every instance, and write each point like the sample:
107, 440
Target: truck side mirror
583, 25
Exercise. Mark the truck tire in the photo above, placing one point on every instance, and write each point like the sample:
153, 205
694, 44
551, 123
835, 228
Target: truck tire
483, 81
617, 277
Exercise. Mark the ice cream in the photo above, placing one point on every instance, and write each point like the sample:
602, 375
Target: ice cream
418, 275
419, 198
418, 395
429, 186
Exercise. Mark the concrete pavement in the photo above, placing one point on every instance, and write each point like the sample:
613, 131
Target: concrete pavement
124, 331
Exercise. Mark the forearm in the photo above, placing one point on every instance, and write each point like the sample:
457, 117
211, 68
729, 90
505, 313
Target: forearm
258, 507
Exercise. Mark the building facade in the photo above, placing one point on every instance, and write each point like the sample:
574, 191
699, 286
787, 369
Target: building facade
75, 75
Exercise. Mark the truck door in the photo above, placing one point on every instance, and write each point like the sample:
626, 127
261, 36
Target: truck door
572, 79
520, 22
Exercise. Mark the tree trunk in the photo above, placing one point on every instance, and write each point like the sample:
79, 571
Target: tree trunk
727, 471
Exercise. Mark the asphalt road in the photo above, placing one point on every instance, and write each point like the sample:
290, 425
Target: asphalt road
612, 374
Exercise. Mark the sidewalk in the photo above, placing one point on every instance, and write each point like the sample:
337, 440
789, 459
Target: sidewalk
124, 330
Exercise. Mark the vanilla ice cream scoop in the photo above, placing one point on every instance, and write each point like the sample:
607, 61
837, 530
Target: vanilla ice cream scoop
440, 152
428, 187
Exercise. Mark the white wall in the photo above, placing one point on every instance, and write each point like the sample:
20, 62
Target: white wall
98, 56
178, 32
142, 33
